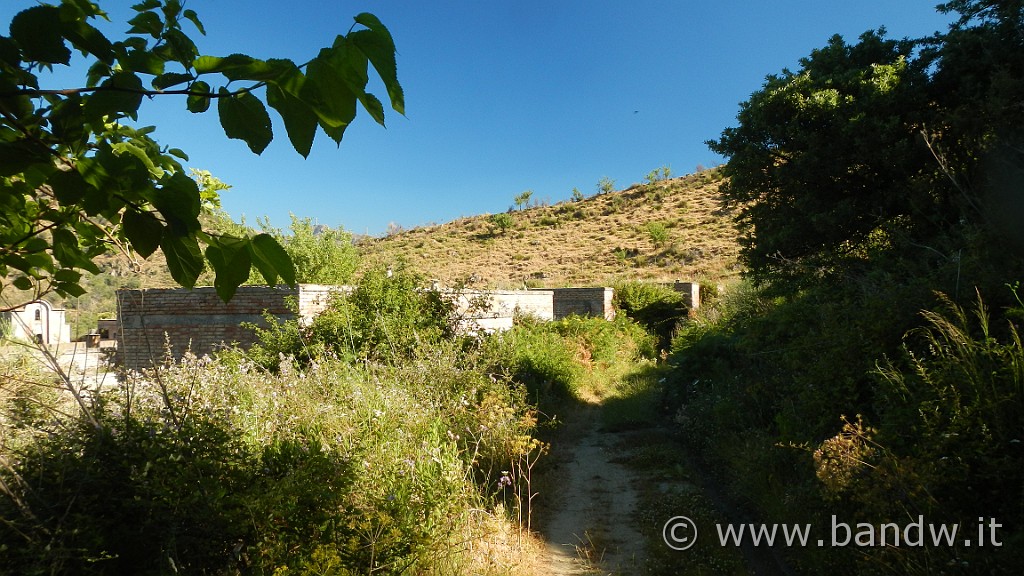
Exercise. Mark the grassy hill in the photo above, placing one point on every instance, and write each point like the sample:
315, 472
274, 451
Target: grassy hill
672, 229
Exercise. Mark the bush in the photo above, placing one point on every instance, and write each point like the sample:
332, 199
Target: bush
659, 309
388, 317
571, 358
338, 469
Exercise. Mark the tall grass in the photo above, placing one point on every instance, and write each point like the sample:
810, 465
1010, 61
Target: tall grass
372, 441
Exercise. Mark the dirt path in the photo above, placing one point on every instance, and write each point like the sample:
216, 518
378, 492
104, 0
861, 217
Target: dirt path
589, 528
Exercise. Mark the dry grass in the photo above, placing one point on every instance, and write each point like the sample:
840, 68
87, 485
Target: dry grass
596, 241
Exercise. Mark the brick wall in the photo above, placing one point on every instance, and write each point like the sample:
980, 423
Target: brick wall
195, 320
583, 302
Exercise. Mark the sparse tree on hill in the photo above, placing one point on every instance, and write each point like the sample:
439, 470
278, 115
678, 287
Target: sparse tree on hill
523, 200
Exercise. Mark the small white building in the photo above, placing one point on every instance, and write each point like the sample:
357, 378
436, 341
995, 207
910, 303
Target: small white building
38, 321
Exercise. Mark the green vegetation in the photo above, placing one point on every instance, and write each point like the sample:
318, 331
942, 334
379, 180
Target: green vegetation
657, 232
523, 200
870, 367
81, 174
372, 441
659, 309
605, 185
658, 175
321, 254
502, 221
386, 319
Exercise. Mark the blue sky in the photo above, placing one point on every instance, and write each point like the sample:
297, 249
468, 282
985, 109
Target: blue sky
503, 97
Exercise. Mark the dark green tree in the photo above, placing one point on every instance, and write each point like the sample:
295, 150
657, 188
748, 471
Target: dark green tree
878, 146
80, 174
825, 158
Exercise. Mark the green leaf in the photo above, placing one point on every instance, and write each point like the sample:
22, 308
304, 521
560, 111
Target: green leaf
146, 5
147, 23
9, 52
97, 72
271, 259
69, 289
164, 81
379, 47
299, 119
244, 117
328, 94
232, 263
68, 252
90, 40
191, 15
177, 48
22, 283
37, 31
178, 201
143, 230
335, 133
130, 148
142, 60
121, 94
16, 157
179, 153
196, 102
67, 275
68, 186
241, 67
184, 259
374, 107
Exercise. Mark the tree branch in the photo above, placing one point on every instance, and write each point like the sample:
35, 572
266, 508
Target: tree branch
35, 92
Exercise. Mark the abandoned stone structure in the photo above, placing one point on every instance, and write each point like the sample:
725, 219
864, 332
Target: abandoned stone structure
38, 321
154, 322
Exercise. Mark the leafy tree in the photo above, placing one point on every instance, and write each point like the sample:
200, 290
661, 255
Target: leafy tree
877, 146
577, 196
321, 255
825, 156
605, 185
523, 200
79, 175
658, 175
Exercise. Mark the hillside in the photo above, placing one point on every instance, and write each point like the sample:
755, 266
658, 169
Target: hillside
667, 230
672, 229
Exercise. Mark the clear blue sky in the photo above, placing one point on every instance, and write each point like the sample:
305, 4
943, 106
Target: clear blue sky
503, 97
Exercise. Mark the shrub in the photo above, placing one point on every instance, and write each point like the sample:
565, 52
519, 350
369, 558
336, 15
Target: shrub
501, 221
561, 359
339, 469
658, 175
659, 309
387, 317
657, 232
